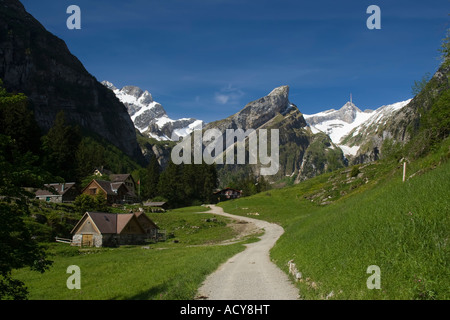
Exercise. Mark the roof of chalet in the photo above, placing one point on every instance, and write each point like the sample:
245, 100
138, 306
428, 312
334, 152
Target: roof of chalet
120, 177
106, 186
141, 213
108, 222
59, 188
110, 187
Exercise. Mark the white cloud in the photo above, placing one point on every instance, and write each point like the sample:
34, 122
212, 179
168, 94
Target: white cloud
229, 95
222, 98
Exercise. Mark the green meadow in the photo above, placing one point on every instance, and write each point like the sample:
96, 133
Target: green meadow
170, 270
336, 226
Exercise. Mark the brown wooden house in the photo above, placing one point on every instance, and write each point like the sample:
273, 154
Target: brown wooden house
101, 229
114, 192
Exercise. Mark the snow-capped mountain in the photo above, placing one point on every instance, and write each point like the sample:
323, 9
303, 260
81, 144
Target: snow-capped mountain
149, 117
349, 126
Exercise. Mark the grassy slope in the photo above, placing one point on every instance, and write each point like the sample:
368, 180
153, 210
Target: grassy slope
166, 271
401, 227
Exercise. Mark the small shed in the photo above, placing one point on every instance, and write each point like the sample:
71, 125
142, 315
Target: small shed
100, 229
156, 206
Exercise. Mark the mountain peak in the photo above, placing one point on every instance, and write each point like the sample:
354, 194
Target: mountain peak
350, 106
148, 116
282, 90
348, 112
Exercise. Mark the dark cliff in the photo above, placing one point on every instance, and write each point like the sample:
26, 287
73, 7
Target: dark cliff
39, 64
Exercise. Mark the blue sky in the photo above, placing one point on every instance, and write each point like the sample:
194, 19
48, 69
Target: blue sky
208, 58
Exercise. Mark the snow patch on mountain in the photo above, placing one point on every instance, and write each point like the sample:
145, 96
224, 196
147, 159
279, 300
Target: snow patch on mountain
149, 117
350, 121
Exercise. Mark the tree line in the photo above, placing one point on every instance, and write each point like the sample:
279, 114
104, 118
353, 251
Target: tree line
179, 185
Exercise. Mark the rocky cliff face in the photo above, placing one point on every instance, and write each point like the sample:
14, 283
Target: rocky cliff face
302, 154
39, 64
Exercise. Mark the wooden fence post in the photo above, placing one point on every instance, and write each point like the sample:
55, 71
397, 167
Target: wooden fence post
404, 171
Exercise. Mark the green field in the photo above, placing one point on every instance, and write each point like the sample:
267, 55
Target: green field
169, 270
401, 227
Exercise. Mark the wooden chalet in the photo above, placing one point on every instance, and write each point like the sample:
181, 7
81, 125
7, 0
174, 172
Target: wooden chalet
114, 192
227, 194
101, 229
58, 192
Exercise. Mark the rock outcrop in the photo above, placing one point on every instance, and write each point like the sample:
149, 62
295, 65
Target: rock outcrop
302, 154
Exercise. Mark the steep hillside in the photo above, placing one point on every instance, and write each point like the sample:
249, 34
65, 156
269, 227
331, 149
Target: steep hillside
39, 64
340, 223
412, 130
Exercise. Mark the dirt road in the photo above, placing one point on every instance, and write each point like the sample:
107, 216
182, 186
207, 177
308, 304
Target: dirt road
250, 275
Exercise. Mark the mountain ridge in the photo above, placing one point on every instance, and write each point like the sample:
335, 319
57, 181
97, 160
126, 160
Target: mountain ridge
349, 126
149, 116
302, 154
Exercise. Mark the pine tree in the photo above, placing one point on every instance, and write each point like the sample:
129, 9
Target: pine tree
61, 145
210, 182
152, 178
170, 185
17, 121
18, 246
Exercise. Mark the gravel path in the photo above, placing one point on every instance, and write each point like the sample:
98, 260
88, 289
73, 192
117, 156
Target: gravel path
250, 275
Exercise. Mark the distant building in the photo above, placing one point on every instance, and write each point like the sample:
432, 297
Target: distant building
58, 192
127, 179
157, 206
101, 171
227, 194
114, 192
99, 229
